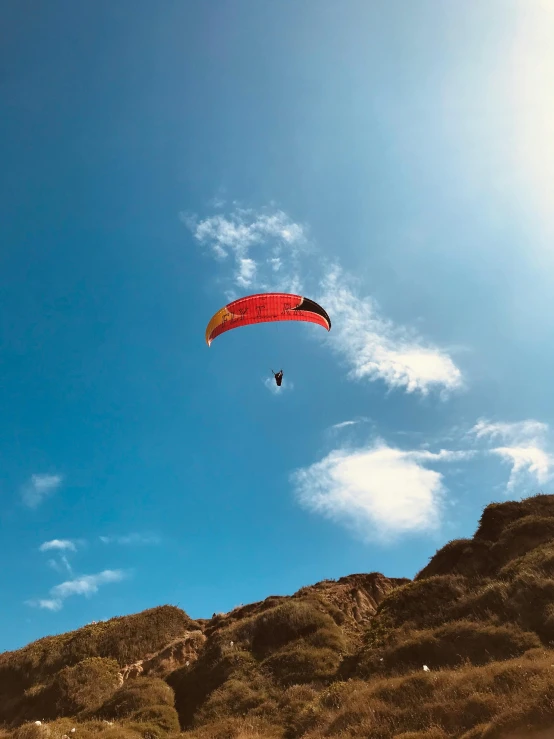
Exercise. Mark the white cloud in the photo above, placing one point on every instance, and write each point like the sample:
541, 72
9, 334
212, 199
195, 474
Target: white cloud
246, 271
59, 544
243, 229
86, 584
131, 539
527, 462
49, 604
377, 349
380, 491
62, 565
372, 347
346, 424
66, 564
272, 233
526, 449
38, 488
518, 431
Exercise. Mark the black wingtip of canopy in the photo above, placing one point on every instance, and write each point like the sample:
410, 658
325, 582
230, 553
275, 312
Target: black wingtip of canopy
313, 307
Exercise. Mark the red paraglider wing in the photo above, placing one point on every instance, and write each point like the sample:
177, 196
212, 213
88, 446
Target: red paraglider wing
263, 308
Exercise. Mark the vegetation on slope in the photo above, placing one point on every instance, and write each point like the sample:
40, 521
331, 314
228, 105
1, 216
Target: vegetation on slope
338, 659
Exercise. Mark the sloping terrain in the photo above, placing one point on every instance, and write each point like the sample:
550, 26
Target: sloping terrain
466, 649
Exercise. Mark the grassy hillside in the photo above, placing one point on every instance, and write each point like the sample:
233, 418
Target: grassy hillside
466, 649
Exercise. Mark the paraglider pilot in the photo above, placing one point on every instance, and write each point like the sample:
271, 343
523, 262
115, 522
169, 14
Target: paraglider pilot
278, 377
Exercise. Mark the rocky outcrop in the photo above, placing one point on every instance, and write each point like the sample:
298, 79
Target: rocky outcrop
178, 653
357, 596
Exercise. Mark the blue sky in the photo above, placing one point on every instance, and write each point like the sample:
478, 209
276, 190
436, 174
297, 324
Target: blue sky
393, 161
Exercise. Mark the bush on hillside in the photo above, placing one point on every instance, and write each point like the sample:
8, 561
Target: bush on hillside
468, 557
125, 639
521, 537
61, 728
301, 663
530, 599
423, 602
450, 645
457, 643
192, 685
537, 561
288, 622
498, 516
488, 602
238, 697
164, 716
298, 709
85, 686
136, 694
31, 731
237, 728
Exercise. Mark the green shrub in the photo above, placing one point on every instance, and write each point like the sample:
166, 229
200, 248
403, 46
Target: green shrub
193, 685
458, 643
163, 716
86, 685
233, 727
529, 604
468, 557
423, 602
31, 731
302, 663
490, 601
125, 639
287, 622
522, 536
136, 694
236, 697
539, 561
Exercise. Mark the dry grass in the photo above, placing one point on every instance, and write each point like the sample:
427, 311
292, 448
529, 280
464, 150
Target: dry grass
424, 602
480, 615
467, 557
125, 639
237, 728
85, 686
447, 702
135, 695
164, 717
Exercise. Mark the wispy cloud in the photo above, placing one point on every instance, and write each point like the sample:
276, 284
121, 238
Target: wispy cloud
48, 604
62, 547
61, 565
58, 544
377, 349
264, 248
516, 432
372, 347
346, 424
526, 448
131, 539
85, 585
379, 491
38, 488
237, 234
246, 271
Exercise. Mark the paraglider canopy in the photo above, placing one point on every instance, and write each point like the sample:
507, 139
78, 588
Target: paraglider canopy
263, 308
